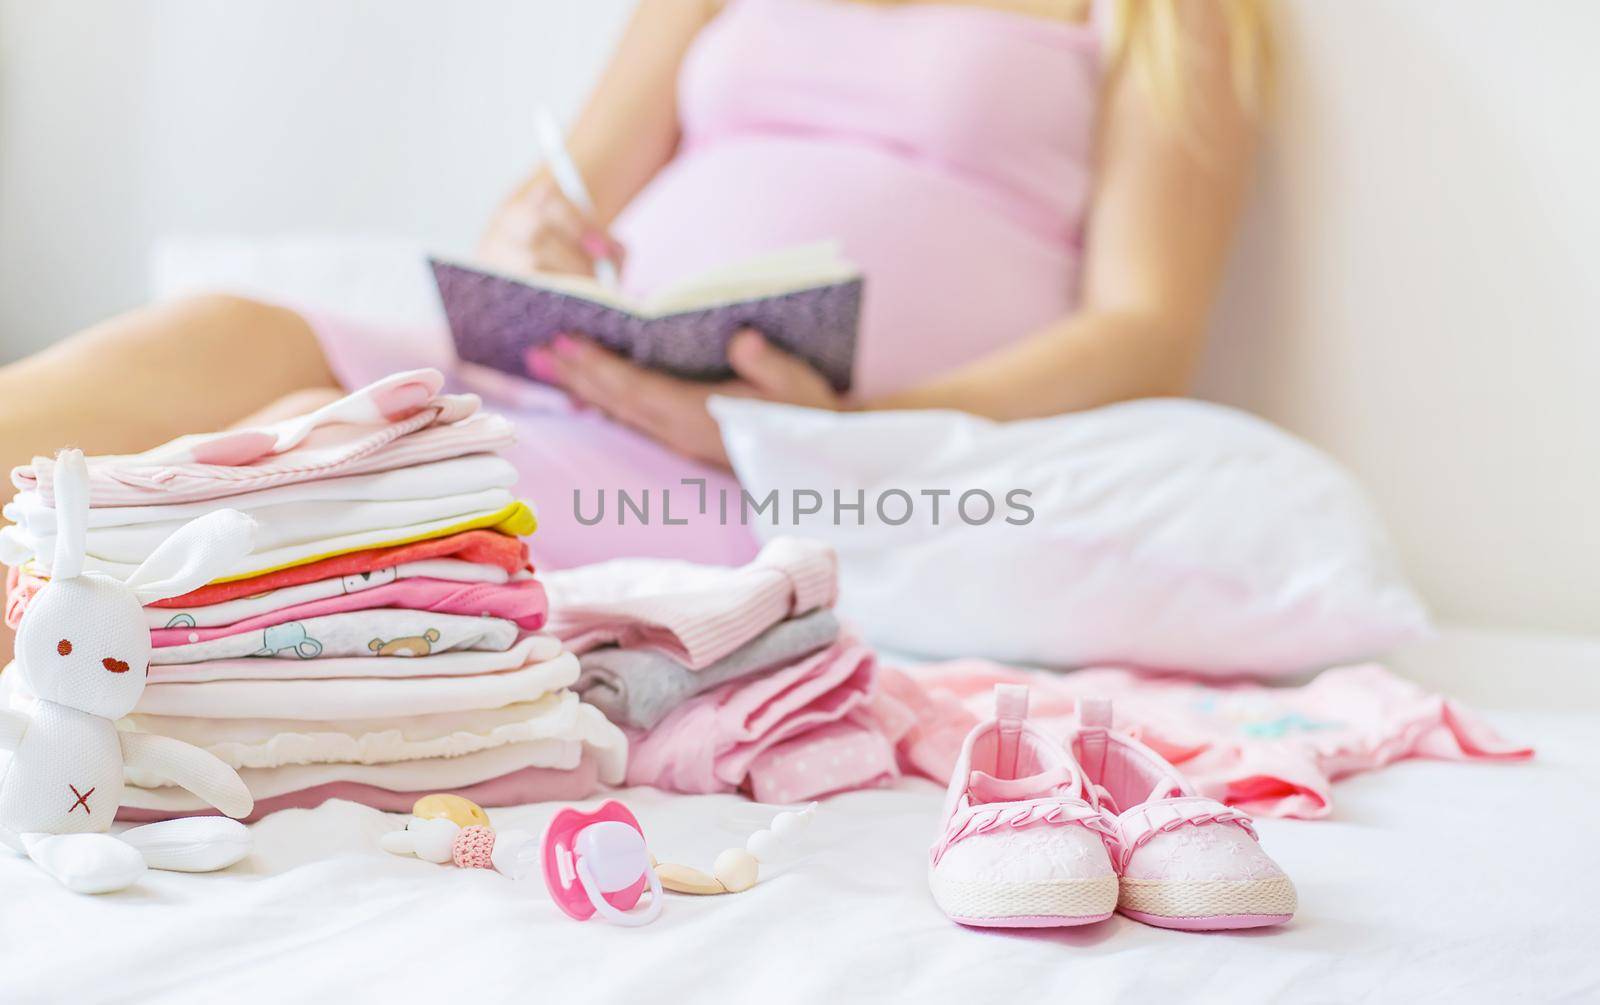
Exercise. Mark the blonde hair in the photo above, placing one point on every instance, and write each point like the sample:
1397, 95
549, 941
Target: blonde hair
1148, 39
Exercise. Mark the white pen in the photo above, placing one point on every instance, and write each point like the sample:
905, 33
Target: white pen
570, 182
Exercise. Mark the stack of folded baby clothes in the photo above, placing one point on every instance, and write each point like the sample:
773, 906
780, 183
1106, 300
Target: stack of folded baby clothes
381, 640
730, 678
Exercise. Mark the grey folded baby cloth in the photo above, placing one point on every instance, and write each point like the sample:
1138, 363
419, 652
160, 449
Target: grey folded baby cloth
638, 687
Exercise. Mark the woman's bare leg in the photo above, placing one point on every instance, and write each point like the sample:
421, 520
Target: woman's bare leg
140, 379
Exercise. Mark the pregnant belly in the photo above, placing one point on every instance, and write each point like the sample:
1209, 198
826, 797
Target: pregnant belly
953, 270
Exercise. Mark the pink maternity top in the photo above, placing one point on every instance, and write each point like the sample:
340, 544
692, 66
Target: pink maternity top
946, 148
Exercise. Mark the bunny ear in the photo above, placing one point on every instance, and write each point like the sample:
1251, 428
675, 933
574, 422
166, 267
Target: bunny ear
195, 554
71, 478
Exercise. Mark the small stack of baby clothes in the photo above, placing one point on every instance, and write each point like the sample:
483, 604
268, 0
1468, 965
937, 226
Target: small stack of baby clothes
382, 639
730, 679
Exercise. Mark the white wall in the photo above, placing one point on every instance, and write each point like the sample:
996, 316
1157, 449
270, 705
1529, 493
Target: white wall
125, 120
1409, 292
1415, 289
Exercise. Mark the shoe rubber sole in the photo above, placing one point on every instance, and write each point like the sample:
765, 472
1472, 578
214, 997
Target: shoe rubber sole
1208, 905
1025, 905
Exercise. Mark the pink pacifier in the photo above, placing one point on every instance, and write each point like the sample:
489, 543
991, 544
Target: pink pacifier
597, 863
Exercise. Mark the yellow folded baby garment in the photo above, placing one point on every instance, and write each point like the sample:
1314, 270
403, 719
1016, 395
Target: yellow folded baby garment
516, 520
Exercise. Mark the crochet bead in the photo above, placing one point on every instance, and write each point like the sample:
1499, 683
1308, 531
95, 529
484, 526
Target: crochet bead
736, 869
461, 811
474, 848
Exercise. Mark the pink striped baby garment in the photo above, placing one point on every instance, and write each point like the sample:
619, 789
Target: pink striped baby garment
696, 614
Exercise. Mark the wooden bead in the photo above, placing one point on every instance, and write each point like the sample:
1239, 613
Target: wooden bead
736, 869
459, 810
682, 879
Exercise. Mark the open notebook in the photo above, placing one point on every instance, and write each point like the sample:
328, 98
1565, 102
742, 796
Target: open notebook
806, 300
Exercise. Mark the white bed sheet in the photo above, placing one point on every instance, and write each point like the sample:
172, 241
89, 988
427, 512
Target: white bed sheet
1433, 881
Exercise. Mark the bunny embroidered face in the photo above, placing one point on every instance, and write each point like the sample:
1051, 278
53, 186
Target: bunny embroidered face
84, 644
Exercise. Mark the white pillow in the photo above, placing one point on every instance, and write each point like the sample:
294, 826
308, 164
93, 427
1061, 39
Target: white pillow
1167, 534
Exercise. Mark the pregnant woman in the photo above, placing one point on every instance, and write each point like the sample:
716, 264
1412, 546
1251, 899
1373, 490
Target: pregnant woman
1040, 194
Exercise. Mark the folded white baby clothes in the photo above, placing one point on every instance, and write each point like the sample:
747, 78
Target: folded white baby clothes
381, 632
231, 612
15, 548
395, 422
278, 527
451, 477
558, 742
350, 654
269, 743
697, 614
362, 697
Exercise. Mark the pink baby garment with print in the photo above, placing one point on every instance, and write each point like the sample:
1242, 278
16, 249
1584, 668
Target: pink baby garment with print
521, 601
1273, 751
696, 614
527, 785
396, 422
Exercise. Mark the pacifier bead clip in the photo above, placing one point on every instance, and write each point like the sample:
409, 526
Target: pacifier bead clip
736, 870
444, 828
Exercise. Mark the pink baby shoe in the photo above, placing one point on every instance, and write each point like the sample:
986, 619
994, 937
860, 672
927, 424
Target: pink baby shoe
1186, 861
1020, 846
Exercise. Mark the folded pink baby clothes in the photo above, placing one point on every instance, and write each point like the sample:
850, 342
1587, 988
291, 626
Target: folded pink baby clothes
710, 742
529, 785
697, 614
1273, 751
836, 757
520, 601
231, 612
396, 422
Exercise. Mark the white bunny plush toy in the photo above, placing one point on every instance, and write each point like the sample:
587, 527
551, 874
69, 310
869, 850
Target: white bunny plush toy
83, 652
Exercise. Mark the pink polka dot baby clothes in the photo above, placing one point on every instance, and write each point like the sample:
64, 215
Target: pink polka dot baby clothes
837, 757
714, 742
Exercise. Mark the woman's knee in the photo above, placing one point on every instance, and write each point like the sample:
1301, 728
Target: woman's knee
225, 326
234, 313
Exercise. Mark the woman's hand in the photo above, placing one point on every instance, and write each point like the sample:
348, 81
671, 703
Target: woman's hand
672, 410
538, 229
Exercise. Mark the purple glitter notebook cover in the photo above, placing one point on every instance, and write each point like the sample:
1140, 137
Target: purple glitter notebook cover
495, 321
